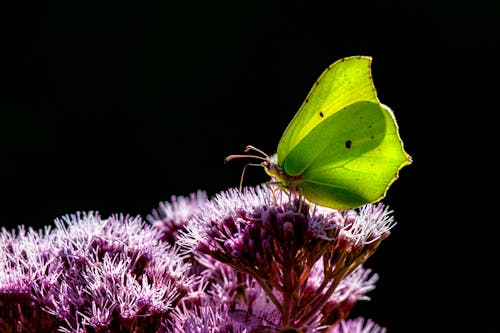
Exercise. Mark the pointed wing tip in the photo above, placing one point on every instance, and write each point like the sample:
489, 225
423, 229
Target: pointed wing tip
354, 57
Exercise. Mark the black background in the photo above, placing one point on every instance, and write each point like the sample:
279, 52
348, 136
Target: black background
115, 106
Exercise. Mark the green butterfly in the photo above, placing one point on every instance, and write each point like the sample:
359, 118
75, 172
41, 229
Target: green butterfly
342, 149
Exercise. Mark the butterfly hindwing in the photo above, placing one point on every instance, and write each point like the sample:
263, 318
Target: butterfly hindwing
350, 159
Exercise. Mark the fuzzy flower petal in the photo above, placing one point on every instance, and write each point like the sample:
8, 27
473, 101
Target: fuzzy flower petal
357, 325
170, 217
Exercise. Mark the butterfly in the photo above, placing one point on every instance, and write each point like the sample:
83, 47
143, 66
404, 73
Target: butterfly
342, 149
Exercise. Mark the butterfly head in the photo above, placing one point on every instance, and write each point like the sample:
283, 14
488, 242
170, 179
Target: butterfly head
270, 163
272, 168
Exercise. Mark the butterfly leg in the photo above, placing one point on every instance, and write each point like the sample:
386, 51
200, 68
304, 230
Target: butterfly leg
275, 186
301, 201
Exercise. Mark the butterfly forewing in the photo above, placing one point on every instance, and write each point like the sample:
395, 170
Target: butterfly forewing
343, 83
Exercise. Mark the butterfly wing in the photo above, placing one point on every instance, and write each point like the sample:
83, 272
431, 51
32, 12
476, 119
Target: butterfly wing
351, 158
343, 83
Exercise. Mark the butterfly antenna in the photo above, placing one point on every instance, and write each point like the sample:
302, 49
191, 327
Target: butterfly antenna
231, 157
249, 148
263, 156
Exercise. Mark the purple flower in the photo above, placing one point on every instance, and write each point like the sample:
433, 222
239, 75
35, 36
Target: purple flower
26, 263
357, 325
90, 275
170, 217
243, 262
300, 257
350, 290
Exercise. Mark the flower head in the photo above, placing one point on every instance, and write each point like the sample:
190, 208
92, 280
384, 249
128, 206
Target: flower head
90, 274
27, 263
170, 217
350, 290
357, 325
278, 241
256, 260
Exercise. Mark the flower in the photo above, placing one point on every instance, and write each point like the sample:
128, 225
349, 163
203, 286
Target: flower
26, 263
170, 217
257, 260
297, 254
357, 325
350, 290
90, 275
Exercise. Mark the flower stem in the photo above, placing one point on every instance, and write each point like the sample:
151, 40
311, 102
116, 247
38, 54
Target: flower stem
287, 298
268, 292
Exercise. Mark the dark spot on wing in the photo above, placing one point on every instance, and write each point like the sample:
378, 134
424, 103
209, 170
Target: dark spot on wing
321, 114
372, 137
348, 144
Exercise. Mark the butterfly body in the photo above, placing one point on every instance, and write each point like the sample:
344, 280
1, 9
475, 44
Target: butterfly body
276, 171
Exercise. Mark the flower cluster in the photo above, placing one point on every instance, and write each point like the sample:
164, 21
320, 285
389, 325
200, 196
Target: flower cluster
89, 275
302, 261
245, 261
171, 217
